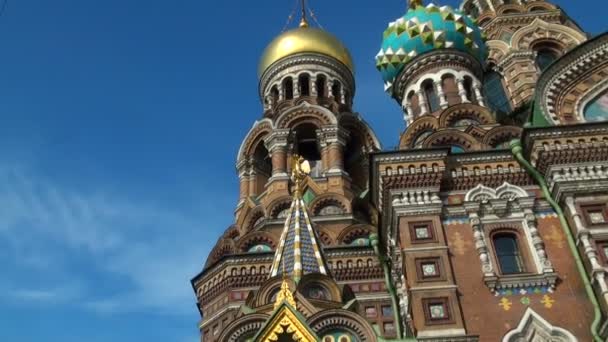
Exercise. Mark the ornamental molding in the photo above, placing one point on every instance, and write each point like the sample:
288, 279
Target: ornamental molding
533, 327
509, 206
312, 62
445, 58
572, 66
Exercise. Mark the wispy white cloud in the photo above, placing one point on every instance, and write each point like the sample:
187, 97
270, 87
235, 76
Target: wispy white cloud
128, 255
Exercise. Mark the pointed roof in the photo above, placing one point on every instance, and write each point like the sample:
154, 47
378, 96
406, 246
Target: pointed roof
299, 252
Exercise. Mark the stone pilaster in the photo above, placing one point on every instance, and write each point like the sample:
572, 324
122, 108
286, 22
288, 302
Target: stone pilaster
333, 139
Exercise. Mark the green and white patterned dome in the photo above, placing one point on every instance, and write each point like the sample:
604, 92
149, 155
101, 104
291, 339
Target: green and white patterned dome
424, 29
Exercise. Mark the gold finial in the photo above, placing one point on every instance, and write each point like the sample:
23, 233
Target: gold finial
415, 3
285, 295
300, 168
303, 21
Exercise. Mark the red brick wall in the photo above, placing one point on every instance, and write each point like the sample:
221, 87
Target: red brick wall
482, 312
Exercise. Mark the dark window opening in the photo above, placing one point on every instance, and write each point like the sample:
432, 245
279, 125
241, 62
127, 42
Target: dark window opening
288, 88
432, 99
321, 82
336, 89
468, 88
274, 94
544, 58
304, 83
307, 147
508, 254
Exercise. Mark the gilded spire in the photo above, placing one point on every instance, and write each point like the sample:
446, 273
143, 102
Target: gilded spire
299, 252
415, 3
303, 21
285, 295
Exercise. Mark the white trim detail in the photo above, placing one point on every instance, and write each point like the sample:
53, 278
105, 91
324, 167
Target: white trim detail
534, 328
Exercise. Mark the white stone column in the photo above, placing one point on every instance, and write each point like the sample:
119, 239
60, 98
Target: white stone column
461, 91
443, 102
583, 234
479, 95
422, 103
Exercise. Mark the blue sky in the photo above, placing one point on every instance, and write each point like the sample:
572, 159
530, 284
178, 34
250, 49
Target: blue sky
120, 122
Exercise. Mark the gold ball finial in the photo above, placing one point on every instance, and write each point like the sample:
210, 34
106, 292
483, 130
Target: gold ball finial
415, 3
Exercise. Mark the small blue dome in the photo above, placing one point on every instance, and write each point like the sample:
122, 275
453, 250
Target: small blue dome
424, 29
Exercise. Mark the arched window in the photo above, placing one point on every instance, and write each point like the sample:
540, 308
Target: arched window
495, 94
304, 84
419, 140
412, 99
450, 89
456, 149
307, 147
288, 88
274, 94
431, 96
336, 89
508, 254
468, 88
316, 291
597, 109
321, 81
263, 167
544, 58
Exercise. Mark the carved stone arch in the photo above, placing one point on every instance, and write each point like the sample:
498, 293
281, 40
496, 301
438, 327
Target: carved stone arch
256, 134
482, 193
533, 327
268, 288
252, 218
449, 137
535, 5
510, 191
278, 206
324, 238
485, 17
351, 233
501, 135
332, 319
243, 328
356, 125
420, 125
231, 233
540, 30
465, 111
306, 113
498, 49
333, 291
317, 205
222, 248
510, 8
255, 238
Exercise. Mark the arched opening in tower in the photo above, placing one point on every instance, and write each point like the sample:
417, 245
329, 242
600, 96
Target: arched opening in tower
321, 82
304, 84
261, 167
308, 147
355, 163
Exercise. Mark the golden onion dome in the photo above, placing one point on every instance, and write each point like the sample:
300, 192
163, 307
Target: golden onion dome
301, 40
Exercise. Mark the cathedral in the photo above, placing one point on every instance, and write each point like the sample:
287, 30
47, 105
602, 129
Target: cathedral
488, 223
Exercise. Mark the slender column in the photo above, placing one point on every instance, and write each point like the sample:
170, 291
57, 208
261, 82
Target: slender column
333, 140
313, 86
472, 209
241, 168
252, 177
276, 144
583, 232
537, 242
461, 91
479, 95
422, 102
443, 102
296, 87
280, 89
